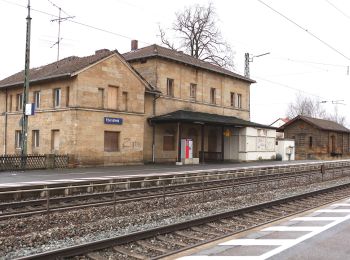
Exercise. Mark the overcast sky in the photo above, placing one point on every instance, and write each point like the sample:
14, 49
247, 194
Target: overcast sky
298, 61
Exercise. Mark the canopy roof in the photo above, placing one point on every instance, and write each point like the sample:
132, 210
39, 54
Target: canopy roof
204, 118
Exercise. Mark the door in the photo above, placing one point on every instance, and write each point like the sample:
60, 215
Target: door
212, 141
333, 144
213, 154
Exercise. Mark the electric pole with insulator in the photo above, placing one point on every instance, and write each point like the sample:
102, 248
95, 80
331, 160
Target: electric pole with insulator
26, 86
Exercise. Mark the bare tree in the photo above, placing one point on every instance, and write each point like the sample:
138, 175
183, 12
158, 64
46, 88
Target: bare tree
195, 28
336, 117
307, 106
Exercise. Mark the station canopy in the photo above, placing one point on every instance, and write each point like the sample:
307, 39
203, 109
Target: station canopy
185, 116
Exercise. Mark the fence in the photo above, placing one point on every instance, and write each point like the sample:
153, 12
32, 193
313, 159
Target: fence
31, 162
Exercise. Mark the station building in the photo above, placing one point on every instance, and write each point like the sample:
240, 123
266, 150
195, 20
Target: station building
109, 108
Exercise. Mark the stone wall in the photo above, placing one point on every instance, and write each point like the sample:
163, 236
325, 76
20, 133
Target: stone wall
78, 119
185, 75
321, 147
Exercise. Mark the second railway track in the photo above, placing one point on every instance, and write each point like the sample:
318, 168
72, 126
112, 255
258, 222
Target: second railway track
48, 203
164, 241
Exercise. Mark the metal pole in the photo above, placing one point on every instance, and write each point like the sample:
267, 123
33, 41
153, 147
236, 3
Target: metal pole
59, 35
163, 194
115, 201
47, 207
246, 65
26, 86
203, 189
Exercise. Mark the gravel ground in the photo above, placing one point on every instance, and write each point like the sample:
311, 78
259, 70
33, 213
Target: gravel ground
20, 237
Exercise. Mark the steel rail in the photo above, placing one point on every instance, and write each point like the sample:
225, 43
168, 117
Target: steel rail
257, 180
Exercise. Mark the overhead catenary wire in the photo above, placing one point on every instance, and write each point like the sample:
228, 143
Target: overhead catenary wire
77, 22
290, 87
58, 7
338, 9
305, 30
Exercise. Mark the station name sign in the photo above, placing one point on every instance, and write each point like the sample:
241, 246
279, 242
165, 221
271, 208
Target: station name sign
113, 121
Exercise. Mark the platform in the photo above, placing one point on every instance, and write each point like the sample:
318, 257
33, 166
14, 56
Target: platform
322, 233
43, 177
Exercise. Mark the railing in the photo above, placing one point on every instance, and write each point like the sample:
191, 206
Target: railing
12, 162
210, 156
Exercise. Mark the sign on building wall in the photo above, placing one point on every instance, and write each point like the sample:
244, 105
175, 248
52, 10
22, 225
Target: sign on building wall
113, 121
29, 111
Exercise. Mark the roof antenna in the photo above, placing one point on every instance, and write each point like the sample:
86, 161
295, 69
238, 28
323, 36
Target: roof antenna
59, 20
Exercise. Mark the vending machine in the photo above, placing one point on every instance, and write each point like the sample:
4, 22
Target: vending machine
186, 148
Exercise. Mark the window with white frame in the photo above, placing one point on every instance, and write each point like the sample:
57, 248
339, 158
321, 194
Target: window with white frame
57, 97
238, 100
170, 87
19, 102
18, 139
35, 138
36, 99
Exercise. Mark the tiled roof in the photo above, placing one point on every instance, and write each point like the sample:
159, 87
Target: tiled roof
159, 51
191, 116
64, 68
319, 123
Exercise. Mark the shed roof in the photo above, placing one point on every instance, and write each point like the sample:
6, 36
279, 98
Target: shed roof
322, 124
162, 52
204, 118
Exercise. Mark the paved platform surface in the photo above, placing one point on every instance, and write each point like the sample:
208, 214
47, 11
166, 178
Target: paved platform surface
23, 178
321, 234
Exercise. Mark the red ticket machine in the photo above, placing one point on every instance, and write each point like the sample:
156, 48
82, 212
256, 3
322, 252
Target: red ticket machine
186, 148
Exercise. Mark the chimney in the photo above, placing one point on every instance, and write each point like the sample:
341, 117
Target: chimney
134, 45
102, 51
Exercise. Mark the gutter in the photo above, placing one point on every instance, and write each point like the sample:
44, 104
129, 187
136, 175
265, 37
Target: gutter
5, 126
40, 80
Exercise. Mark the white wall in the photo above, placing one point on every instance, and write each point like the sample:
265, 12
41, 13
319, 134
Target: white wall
231, 145
250, 144
284, 147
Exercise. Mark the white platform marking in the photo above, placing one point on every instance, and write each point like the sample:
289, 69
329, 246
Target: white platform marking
284, 243
256, 242
288, 228
303, 238
333, 211
200, 257
341, 204
315, 219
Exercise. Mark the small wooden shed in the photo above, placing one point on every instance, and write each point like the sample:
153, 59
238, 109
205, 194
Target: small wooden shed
317, 138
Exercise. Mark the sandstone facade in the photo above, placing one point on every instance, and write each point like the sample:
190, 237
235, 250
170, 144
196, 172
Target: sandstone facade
129, 92
80, 117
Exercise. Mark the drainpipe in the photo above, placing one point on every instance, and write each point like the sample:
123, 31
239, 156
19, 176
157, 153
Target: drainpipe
154, 129
5, 130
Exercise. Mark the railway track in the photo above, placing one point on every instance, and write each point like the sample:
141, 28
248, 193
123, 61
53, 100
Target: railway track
203, 184
167, 240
